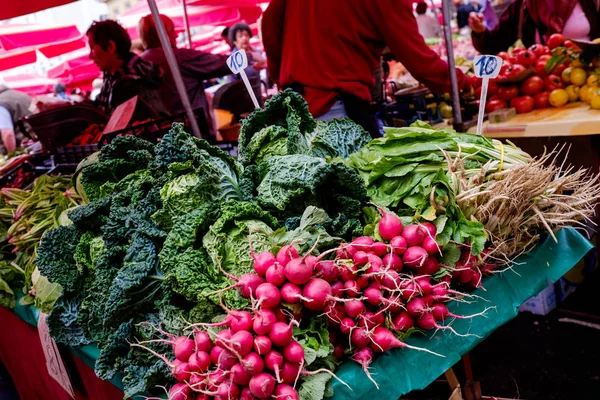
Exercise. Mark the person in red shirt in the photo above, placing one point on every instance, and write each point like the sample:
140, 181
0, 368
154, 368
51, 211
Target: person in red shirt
328, 50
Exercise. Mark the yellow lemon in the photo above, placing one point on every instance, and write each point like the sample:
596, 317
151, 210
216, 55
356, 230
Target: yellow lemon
559, 97
578, 76
566, 75
573, 92
593, 80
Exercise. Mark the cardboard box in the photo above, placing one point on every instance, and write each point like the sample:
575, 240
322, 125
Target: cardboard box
541, 304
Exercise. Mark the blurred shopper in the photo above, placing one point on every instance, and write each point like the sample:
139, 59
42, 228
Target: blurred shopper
225, 37
429, 27
332, 66
125, 74
534, 21
60, 91
464, 9
240, 35
14, 105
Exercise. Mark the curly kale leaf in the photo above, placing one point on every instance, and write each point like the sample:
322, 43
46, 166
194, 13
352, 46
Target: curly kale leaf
268, 142
92, 216
121, 146
55, 257
117, 348
337, 138
63, 322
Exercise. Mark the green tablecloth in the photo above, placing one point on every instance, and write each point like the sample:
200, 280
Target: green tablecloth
401, 370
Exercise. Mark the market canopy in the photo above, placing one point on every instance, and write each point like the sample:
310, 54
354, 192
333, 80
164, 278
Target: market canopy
31, 84
77, 70
14, 8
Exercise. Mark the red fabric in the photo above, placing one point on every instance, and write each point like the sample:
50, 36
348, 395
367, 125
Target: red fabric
19, 36
334, 46
14, 8
22, 355
64, 47
96, 388
16, 58
31, 84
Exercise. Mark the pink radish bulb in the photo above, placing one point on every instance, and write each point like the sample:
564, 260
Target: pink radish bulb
431, 246
373, 296
424, 285
286, 392
383, 340
263, 261
253, 364
379, 248
416, 307
465, 276
369, 320
364, 357
389, 226
414, 235
338, 351
391, 280
248, 283
394, 303
311, 261
409, 290
179, 391
262, 385
440, 311
263, 321
476, 279
337, 289
427, 321
363, 281
335, 312
289, 372
329, 271
351, 288
274, 361
223, 337
215, 353
430, 229
359, 337
286, 254
239, 320
354, 308
281, 334
347, 325
280, 315
182, 372
197, 381
199, 361
275, 275
262, 344
297, 272
239, 376
242, 342
429, 267
293, 352
183, 348
246, 394
363, 243
318, 291
428, 300
268, 295
402, 322
203, 341
227, 391
439, 292
415, 256
345, 252
376, 263
291, 293
226, 360
392, 261
349, 273
398, 245
360, 258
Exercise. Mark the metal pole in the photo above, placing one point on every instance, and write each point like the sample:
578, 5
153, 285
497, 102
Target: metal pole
186, 23
170, 55
458, 122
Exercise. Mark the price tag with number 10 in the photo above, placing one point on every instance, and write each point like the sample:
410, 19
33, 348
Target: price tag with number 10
237, 62
486, 68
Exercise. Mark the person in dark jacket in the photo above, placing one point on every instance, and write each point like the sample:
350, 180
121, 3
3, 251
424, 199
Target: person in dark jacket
534, 21
14, 105
125, 74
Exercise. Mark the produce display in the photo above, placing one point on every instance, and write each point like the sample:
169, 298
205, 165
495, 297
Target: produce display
256, 277
543, 76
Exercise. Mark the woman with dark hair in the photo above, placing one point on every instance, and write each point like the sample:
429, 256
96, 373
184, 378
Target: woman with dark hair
125, 74
239, 36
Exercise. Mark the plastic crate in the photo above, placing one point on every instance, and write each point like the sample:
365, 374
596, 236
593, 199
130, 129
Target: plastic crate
74, 154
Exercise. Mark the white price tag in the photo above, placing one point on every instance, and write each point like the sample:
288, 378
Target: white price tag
487, 66
54, 363
237, 61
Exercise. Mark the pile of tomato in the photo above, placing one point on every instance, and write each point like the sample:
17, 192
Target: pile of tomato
553, 76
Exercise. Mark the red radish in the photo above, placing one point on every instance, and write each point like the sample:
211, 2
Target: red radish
349, 273
223, 337
253, 364
246, 284
329, 271
280, 315
297, 272
429, 267
275, 275
263, 321
439, 292
364, 357
262, 262
415, 256
183, 348
359, 337
466, 275
476, 279
354, 308
180, 391
281, 334
239, 320
373, 296
268, 295
427, 321
375, 261
247, 394
424, 285
369, 320
318, 291
262, 385
431, 246
274, 361
390, 280
291, 293
383, 340
345, 252
414, 235
215, 353
379, 248
347, 325
227, 360
363, 243
289, 372
428, 300
360, 258
311, 261
242, 342
335, 312
391, 260
286, 254
363, 281
196, 381
199, 361
182, 372
431, 230
409, 290
338, 351
416, 307
389, 226
286, 392
227, 391
238, 375
440, 311
402, 322
394, 303
262, 345
203, 341
398, 245
337, 289
294, 352
351, 288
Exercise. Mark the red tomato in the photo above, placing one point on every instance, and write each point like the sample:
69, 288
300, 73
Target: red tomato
515, 70
570, 45
504, 68
532, 85
542, 100
540, 68
545, 57
559, 70
526, 58
492, 88
523, 104
494, 97
503, 55
518, 50
512, 59
553, 82
475, 81
507, 93
555, 40
538, 50
494, 105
